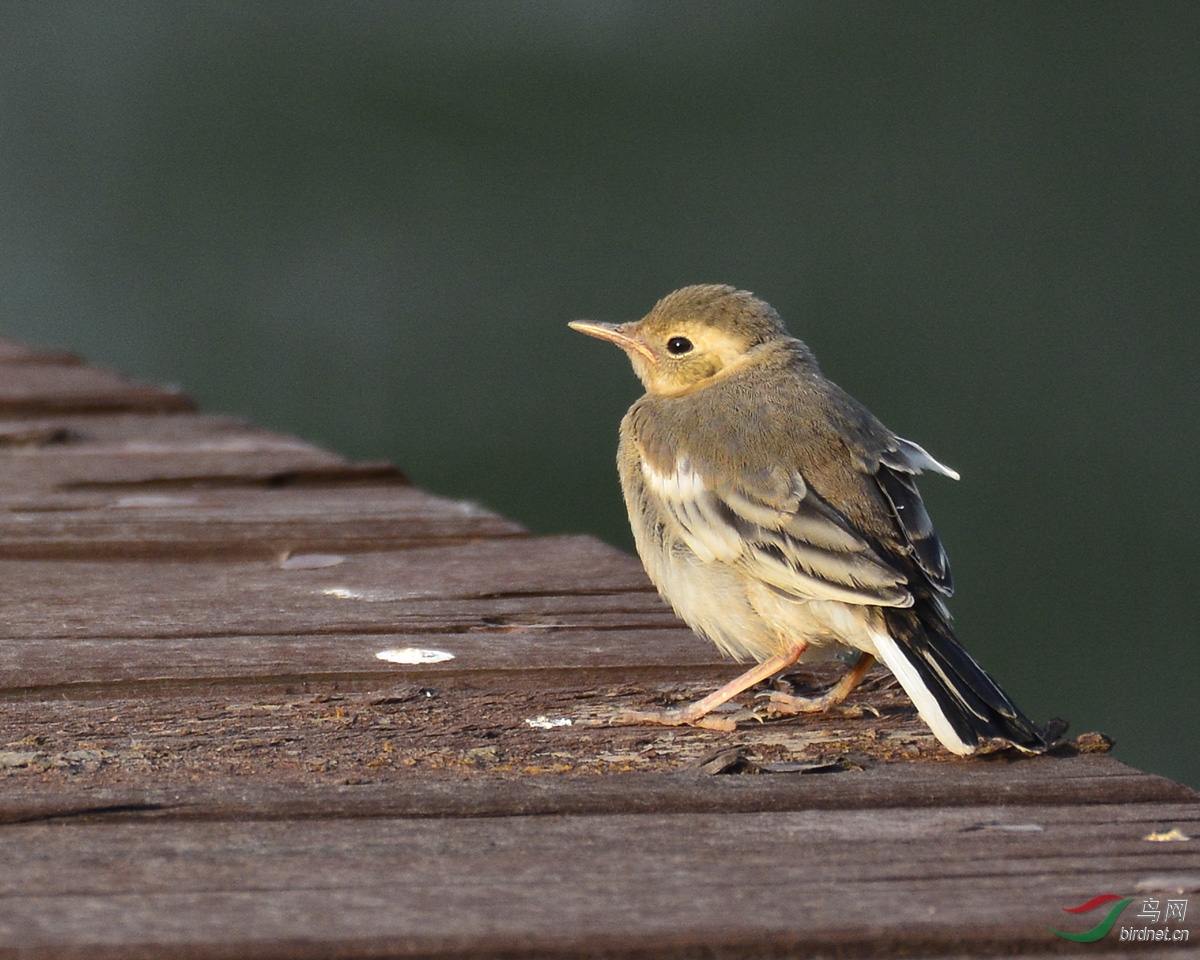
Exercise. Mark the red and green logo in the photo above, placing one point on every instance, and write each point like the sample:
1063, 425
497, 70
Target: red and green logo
1100, 929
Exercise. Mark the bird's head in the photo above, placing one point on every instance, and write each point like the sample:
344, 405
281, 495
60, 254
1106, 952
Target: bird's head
691, 336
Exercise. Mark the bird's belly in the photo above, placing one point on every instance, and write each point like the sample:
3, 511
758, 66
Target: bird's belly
748, 620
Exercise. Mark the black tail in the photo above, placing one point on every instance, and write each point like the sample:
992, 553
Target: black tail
953, 694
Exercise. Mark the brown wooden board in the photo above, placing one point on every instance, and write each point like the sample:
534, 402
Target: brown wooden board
135, 432
352, 655
361, 592
32, 388
99, 778
236, 521
126, 454
654, 884
537, 725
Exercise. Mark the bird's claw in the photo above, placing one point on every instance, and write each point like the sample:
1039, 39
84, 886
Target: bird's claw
672, 718
788, 705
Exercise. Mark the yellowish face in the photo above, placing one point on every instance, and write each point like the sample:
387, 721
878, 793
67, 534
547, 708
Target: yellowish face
672, 356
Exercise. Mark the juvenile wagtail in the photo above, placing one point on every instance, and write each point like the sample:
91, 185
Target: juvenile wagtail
781, 519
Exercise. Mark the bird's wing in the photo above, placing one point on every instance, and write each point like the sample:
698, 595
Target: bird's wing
894, 474
778, 530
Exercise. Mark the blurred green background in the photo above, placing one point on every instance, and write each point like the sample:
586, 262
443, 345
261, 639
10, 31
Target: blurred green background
368, 224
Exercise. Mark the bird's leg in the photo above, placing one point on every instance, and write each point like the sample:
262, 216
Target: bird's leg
786, 703
696, 714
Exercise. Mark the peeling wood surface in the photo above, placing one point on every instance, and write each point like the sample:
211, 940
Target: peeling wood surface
203, 755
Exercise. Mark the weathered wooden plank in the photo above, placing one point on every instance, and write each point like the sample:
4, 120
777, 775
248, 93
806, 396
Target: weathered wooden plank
852, 881
351, 656
857, 844
98, 457
31, 386
1080, 782
263, 522
368, 592
537, 725
250, 470
122, 452
160, 471
134, 432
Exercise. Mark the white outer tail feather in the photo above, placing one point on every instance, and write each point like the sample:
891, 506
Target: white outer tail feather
921, 696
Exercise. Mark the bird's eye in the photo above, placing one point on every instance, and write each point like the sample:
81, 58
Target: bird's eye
678, 345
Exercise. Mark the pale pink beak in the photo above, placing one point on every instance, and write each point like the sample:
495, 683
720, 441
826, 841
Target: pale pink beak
613, 333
